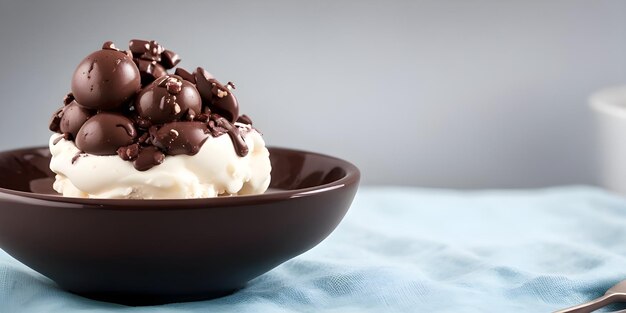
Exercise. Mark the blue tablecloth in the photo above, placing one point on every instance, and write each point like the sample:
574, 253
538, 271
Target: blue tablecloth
416, 250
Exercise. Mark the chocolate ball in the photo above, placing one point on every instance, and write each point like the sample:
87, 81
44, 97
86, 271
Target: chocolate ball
74, 116
104, 133
167, 99
216, 96
105, 80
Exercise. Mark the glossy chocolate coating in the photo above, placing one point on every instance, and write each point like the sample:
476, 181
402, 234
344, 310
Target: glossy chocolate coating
216, 96
167, 99
55, 121
180, 137
185, 74
105, 133
138, 47
105, 80
149, 71
169, 59
148, 157
129, 152
74, 116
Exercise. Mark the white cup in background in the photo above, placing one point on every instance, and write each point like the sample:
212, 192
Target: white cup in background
609, 107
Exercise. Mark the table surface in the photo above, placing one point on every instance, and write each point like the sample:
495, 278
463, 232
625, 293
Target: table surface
403, 249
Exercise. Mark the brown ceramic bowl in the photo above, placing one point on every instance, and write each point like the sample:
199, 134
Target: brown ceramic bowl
157, 251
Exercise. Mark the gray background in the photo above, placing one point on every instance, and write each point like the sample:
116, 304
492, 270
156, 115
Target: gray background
464, 94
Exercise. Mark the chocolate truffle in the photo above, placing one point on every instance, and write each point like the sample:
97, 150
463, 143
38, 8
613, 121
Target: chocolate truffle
74, 116
216, 96
167, 99
180, 137
105, 80
104, 133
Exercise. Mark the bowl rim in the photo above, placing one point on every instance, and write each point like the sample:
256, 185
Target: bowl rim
352, 177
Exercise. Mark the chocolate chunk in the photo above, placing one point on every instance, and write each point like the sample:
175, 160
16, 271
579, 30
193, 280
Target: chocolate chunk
244, 119
104, 133
185, 75
153, 52
203, 78
55, 121
68, 98
129, 153
138, 47
217, 97
109, 45
74, 116
169, 59
191, 115
141, 122
143, 139
105, 80
150, 71
157, 105
148, 158
180, 137
215, 129
224, 101
203, 117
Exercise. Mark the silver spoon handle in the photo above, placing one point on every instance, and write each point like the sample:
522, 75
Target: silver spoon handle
590, 306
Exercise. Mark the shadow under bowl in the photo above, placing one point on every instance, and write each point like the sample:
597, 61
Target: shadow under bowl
141, 252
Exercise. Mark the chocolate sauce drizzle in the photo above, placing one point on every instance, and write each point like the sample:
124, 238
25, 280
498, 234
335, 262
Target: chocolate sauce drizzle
233, 131
65, 136
78, 156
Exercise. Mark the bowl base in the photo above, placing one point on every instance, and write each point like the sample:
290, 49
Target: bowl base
145, 300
